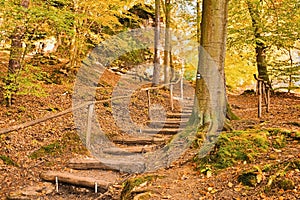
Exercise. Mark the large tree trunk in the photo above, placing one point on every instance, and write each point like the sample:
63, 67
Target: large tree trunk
156, 61
260, 46
211, 56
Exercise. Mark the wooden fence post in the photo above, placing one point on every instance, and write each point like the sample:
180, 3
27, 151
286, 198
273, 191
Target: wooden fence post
268, 98
171, 97
149, 102
259, 97
89, 124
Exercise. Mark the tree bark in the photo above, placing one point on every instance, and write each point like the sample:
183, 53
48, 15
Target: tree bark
167, 42
156, 61
260, 46
16, 52
66, 177
211, 55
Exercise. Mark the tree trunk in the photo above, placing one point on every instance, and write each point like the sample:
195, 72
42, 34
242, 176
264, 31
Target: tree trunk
198, 20
260, 46
16, 53
211, 56
167, 42
156, 61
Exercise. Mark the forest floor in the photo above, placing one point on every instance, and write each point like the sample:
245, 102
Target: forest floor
271, 173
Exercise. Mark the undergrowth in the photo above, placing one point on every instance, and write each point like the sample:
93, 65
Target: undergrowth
51, 149
243, 146
8, 161
70, 142
234, 147
130, 184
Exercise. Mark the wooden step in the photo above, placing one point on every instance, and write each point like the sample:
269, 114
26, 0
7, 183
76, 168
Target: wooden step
169, 121
129, 150
123, 164
162, 125
165, 131
139, 141
178, 115
167, 124
78, 180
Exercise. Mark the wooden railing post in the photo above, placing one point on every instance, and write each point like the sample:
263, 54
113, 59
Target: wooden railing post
149, 102
268, 98
89, 124
259, 97
263, 92
171, 97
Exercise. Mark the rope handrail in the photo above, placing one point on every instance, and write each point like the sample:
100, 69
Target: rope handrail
162, 85
46, 118
37, 121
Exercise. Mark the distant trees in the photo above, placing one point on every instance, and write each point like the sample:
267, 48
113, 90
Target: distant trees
269, 28
76, 25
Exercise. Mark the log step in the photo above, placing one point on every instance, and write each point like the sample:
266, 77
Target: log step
139, 141
128, 150
114, 164
169, 121
167, 124
178, 115
165, 131
162, 125
73, 179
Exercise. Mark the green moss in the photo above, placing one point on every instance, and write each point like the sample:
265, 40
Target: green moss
51, 149
130, 184
234, 147
8, 161
284, 183
248, 179
230, 114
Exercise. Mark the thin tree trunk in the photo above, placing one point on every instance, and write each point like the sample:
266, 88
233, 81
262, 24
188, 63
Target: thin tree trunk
167, 42
261, 59
260, 47
156, 61
198, 20
16, 52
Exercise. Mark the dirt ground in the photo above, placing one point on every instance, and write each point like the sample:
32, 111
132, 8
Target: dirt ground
179, 181
182, 181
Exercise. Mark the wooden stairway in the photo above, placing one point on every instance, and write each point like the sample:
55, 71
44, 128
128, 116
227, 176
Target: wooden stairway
153, 137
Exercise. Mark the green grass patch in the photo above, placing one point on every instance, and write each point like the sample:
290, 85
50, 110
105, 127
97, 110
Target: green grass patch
234, 147
51, 149
8, 161
69, 143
